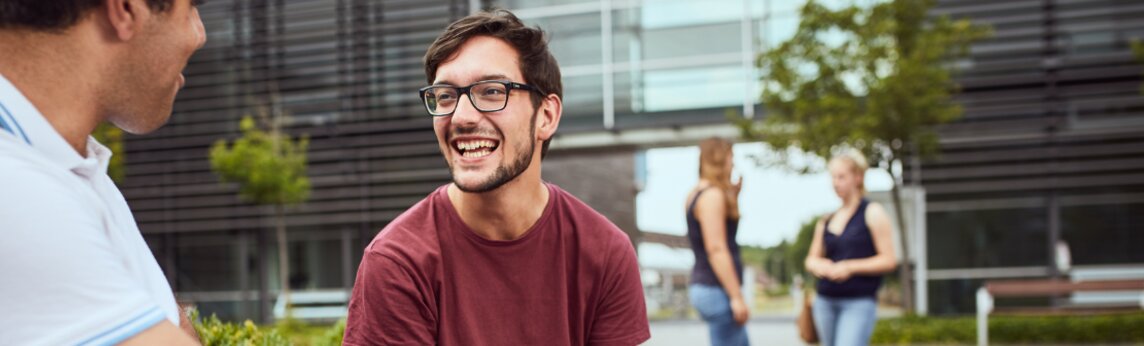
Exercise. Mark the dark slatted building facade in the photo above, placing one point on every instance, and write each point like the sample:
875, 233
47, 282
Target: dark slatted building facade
1050, 148
345, 72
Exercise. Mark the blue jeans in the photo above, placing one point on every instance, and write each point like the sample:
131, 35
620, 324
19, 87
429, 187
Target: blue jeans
844, 321
715, 308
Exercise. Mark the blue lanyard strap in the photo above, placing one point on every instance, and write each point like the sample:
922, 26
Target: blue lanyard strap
15, 126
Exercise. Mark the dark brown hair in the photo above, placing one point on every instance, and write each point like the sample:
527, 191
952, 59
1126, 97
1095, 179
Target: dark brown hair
537, 64
53, 15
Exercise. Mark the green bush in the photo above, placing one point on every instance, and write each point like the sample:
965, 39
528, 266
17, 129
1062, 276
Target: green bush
1117, 328
214, 332
289, 331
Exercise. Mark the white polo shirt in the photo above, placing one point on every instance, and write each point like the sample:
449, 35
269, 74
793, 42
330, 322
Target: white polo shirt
74, 269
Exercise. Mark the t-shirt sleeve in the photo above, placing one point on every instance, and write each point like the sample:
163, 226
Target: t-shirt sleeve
388, 306
64, 280
621, 318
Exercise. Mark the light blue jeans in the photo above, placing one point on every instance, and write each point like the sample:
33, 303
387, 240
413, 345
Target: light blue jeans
715, 307
844, 321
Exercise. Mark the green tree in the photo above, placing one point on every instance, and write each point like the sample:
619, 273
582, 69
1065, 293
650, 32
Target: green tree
270, 169
796, 254
875, 78
112, 137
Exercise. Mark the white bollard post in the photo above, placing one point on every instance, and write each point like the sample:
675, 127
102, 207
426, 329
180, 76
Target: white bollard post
984, 307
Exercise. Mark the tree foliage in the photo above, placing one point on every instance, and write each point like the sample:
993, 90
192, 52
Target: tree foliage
112, 137
874, 78
269, 169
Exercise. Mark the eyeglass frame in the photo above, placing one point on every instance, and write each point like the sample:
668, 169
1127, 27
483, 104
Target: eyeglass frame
509, 87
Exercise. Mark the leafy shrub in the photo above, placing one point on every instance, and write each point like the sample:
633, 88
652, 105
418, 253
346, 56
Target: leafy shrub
1088, 329
214, 332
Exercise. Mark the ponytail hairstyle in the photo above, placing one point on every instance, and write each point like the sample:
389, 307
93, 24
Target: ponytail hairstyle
713, 155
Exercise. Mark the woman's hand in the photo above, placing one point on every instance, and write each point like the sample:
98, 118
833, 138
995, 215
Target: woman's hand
838, 272
739, 310
820, 268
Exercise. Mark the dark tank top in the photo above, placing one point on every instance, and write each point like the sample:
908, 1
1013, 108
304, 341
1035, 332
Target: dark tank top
855, 242
702, 273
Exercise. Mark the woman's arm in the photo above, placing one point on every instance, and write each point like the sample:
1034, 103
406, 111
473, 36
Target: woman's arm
881, 232
816, 262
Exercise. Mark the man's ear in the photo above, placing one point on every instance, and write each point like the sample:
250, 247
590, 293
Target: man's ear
551, 109
126, 17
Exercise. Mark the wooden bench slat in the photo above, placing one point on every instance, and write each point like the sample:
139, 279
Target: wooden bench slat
1042, 288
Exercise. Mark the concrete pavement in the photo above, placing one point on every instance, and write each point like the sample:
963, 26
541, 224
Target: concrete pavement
763, 330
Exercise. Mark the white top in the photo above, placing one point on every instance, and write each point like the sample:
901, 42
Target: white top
74, 268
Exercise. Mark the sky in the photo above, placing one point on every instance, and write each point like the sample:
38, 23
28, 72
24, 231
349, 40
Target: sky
773, 202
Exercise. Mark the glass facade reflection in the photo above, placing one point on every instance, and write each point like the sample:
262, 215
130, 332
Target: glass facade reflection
627, 63
987, 238
1104, 234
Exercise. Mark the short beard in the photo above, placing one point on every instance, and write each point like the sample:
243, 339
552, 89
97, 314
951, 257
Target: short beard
505, 174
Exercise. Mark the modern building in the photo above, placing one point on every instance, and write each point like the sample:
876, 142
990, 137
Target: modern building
1051, 146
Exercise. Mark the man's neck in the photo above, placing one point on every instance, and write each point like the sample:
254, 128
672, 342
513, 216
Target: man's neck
506, 213
58, 77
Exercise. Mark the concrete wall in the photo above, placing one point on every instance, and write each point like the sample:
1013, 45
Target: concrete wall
602, 179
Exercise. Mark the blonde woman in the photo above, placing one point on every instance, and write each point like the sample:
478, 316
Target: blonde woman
851, 250
712, 222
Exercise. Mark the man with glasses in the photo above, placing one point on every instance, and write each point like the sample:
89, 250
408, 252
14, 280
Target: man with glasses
498, 257
74, 269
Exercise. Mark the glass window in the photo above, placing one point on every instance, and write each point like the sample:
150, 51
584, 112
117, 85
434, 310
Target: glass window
778, 29
987, 238
515, 4
1104, 234
208, 262
315, 264
627, 35
574, 39
691, 88
783, 7
679, 13
583, 101
697, 40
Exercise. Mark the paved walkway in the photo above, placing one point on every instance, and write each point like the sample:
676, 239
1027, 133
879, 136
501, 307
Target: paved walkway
765, 330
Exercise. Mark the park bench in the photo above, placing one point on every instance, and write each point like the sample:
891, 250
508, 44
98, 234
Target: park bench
1049, 288
314, 306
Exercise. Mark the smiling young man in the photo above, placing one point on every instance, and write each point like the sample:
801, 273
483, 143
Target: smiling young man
498, 257
74, 269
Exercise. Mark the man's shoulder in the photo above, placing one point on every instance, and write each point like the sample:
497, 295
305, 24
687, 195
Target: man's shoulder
25, 177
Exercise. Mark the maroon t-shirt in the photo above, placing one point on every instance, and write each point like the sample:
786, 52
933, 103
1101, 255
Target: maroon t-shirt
426, 279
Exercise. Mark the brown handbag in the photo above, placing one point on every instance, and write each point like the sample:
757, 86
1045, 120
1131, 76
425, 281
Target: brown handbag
805, 320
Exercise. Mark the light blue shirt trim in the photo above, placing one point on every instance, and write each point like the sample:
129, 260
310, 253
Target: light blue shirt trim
128, 329
4, 111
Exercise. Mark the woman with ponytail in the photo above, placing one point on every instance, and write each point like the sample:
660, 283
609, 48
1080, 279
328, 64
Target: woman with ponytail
712, 223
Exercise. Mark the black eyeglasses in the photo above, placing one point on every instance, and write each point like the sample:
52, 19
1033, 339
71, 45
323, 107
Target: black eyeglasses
486, 96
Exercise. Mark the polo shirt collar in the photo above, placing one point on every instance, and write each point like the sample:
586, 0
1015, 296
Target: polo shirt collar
32, 128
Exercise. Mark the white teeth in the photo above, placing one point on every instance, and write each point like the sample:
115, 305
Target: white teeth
472, 145
479, 153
